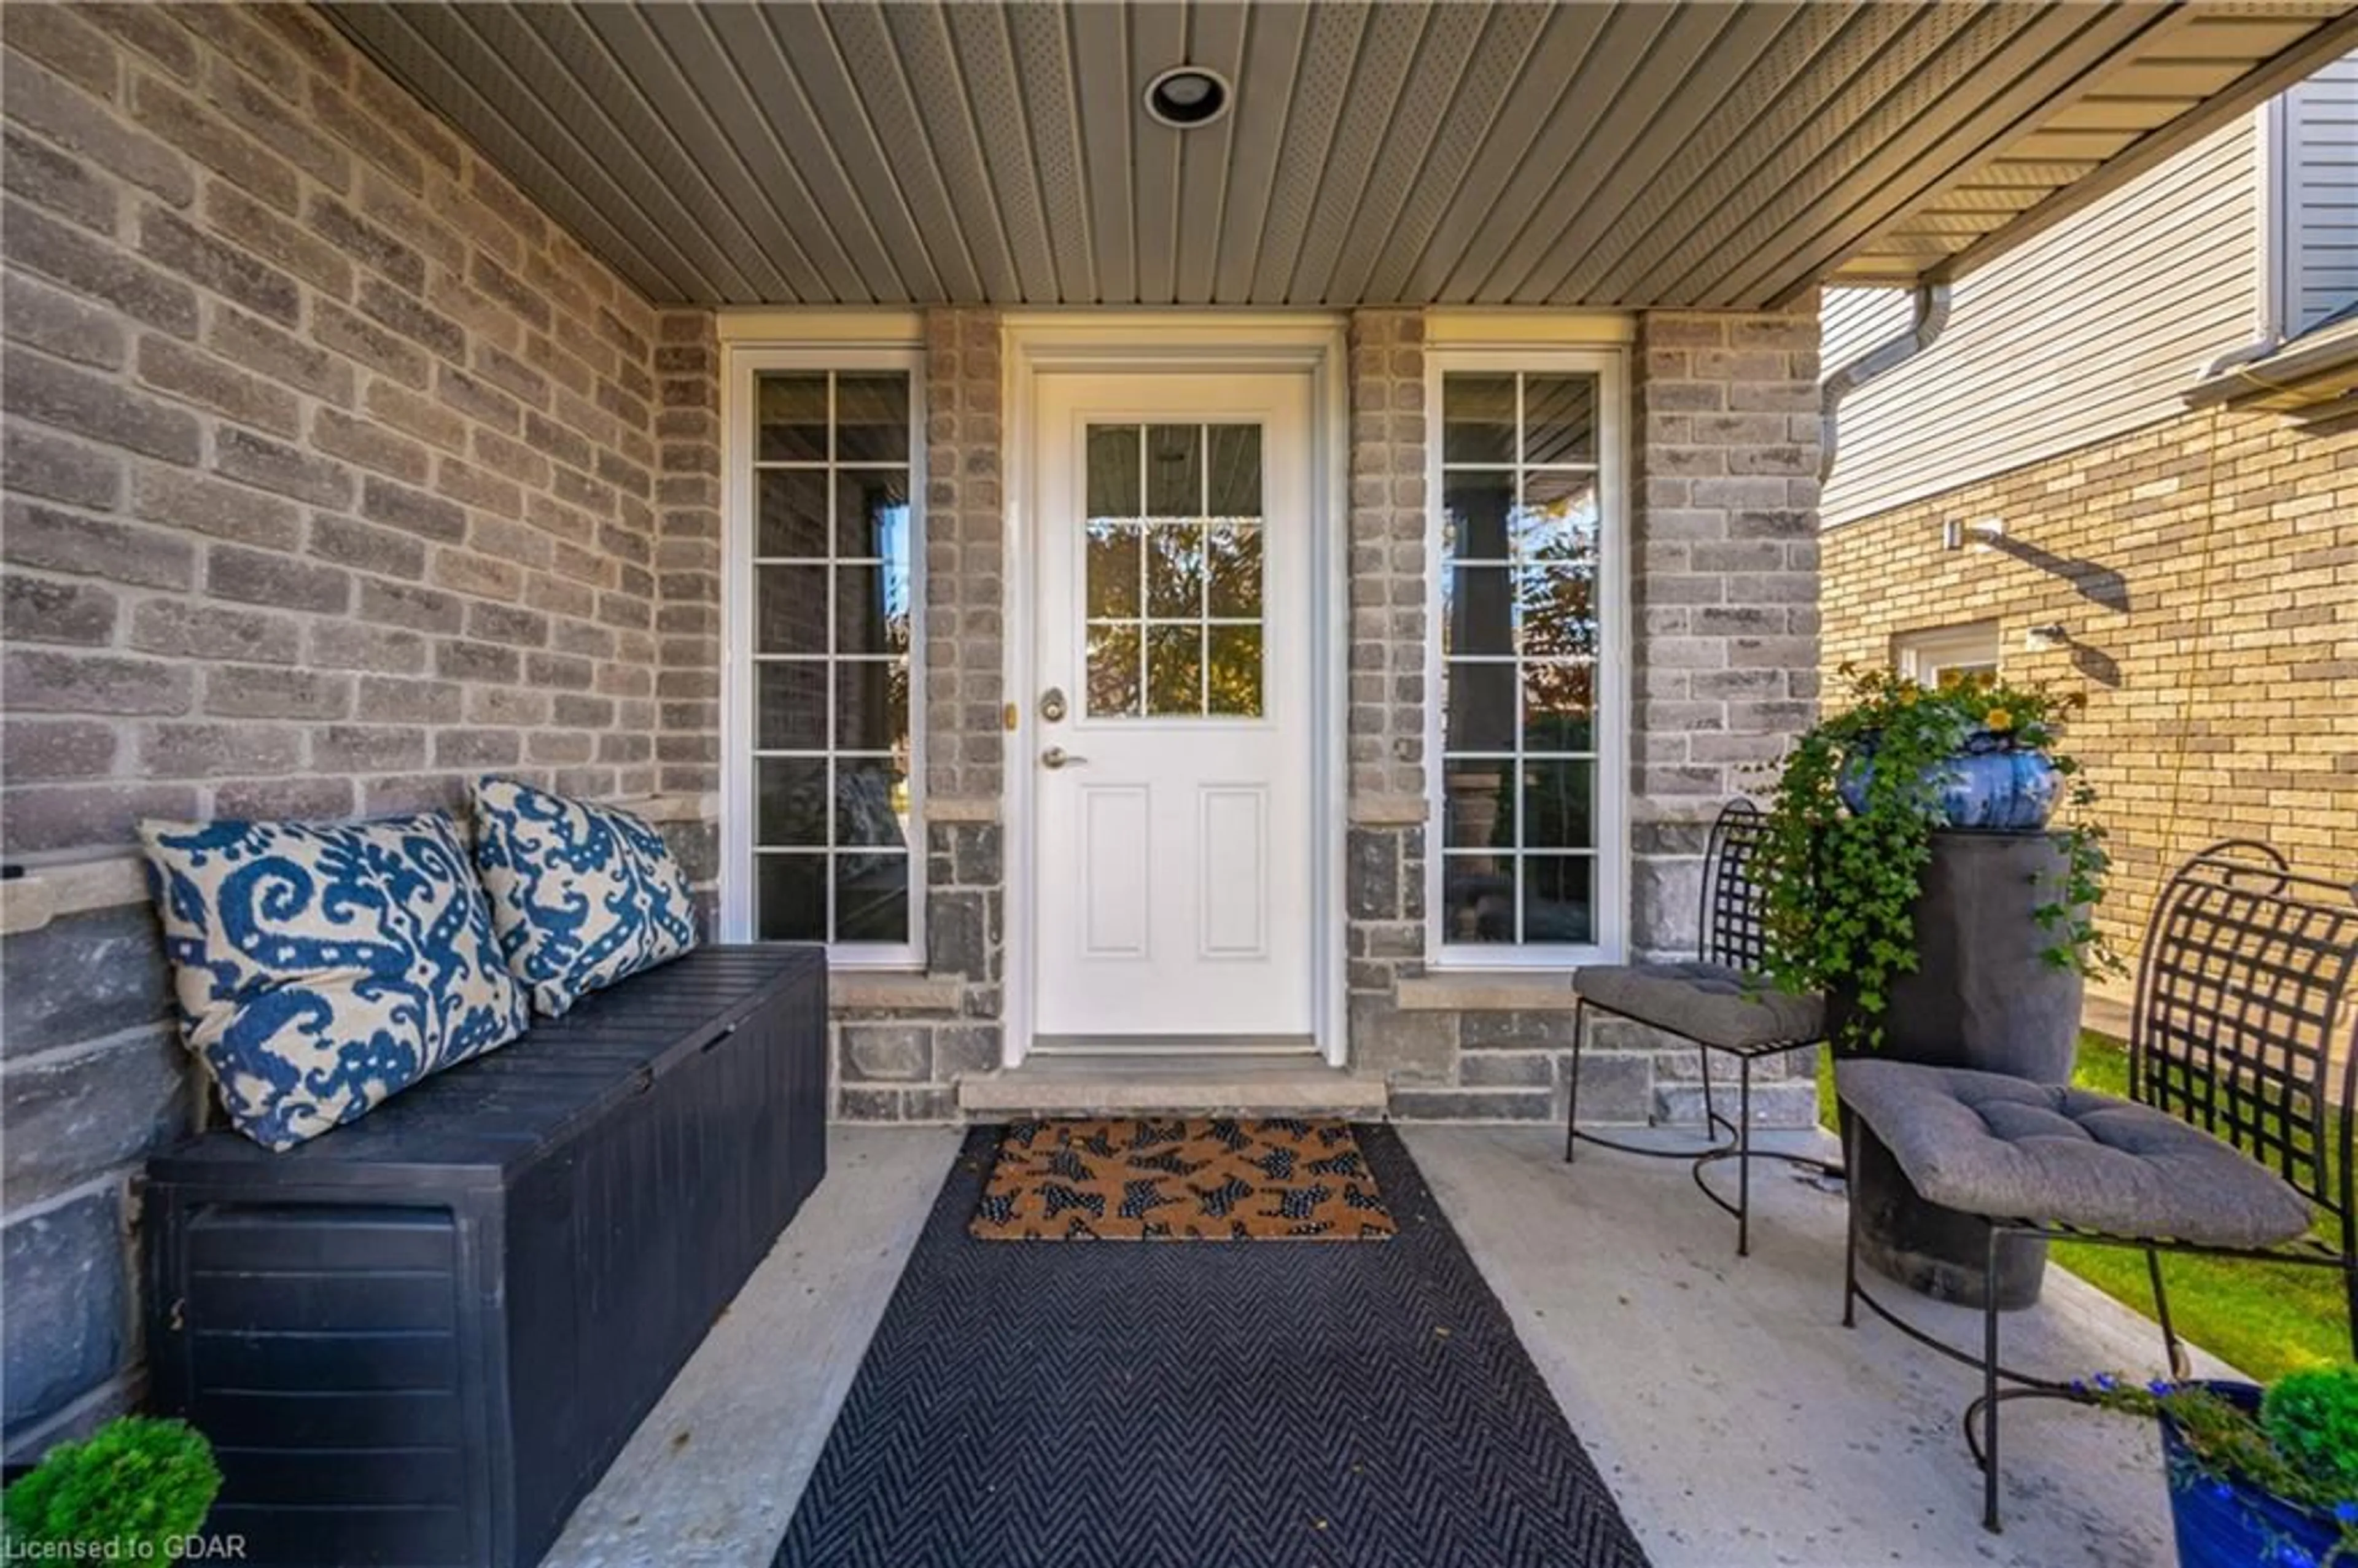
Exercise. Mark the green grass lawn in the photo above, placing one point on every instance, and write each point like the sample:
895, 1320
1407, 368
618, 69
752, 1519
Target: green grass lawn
2265, 1319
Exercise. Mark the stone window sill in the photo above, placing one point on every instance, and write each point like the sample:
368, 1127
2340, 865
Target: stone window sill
1492, 991
47, 892
893, 990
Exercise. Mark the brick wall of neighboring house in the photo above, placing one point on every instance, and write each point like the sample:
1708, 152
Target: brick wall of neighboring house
1723, 512
335, 473
2205, 573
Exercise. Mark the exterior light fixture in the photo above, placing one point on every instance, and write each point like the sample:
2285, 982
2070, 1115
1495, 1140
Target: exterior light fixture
1982, 533
1186, 96
2046, 639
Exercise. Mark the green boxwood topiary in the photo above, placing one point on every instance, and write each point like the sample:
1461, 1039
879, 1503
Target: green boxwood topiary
131, 1492
2311, 1417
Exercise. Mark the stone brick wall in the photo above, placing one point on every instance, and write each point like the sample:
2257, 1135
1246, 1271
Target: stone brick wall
1384, 875
901, 1043
1390, 525
965, 585
2204, 571
1724, 586
335, 473
1726, 424
688, 563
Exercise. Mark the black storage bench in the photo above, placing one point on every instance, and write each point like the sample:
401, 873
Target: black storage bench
421, 1338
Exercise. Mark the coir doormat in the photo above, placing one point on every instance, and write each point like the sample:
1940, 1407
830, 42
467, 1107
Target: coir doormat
1180, 1180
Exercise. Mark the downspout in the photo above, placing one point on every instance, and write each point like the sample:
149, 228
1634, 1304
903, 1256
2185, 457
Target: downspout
1932, 315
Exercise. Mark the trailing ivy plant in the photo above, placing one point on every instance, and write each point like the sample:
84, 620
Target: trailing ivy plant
2300, 1446
1839, 886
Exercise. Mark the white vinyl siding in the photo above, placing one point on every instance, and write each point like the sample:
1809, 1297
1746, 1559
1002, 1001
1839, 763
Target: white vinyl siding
2087, 331
1854, 320
2317, 186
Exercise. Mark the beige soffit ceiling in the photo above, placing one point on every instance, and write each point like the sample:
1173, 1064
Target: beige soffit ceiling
1594, 154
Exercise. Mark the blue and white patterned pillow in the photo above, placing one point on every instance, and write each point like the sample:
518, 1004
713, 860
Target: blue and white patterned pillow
321, 968
581, 894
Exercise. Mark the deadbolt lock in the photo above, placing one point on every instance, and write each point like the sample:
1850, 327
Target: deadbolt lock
1051, 704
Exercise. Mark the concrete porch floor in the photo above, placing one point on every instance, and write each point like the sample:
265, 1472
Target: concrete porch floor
1737, 1420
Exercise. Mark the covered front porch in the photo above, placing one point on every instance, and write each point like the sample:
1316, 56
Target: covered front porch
1737, 1420
1510, 313
1185, 608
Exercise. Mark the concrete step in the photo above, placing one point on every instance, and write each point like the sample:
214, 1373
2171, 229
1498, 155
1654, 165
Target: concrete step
1786, 1103
1158, 1084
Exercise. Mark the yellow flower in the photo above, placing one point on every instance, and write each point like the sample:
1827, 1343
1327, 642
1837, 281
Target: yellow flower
1998, 721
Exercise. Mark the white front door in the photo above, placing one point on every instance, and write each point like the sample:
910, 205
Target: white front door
1173, 752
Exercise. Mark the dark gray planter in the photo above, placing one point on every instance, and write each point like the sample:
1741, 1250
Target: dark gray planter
1983, 996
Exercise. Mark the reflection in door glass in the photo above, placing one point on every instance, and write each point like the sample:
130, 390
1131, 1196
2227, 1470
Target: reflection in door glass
1175, 470
1114, 652
1174, 670
1115, 454
1232, 561
1116, 550
1232, 671
1173, 580
1175, 571
1234, 466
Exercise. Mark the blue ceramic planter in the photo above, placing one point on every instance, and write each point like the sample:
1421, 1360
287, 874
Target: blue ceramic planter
1996, 790
2226, 1524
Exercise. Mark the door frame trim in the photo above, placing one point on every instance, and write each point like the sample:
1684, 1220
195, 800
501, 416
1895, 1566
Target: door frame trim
1311, 343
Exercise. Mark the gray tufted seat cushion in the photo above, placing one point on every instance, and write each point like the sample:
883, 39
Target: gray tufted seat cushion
1709, 1003
2005, 1147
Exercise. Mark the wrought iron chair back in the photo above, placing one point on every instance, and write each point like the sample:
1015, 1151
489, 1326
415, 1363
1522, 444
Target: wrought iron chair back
1734, 930
2244, 986
1732, 933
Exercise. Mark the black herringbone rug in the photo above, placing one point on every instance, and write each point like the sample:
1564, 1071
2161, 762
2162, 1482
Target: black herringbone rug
1268, 1405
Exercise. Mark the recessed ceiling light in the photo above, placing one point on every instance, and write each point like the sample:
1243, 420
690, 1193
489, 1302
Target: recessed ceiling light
1186, 96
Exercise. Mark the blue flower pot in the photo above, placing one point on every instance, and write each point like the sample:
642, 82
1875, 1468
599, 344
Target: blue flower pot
1996, 790
2225, 1523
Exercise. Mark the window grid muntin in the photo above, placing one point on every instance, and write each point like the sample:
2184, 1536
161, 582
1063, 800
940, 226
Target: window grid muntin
1520, 853
824, 664
1146, 523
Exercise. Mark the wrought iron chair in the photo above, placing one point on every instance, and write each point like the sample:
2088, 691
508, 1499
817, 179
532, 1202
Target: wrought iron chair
1720, 1003
2233, 1143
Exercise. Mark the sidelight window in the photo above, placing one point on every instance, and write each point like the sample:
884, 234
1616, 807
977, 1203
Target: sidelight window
834, 573
1524, 861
